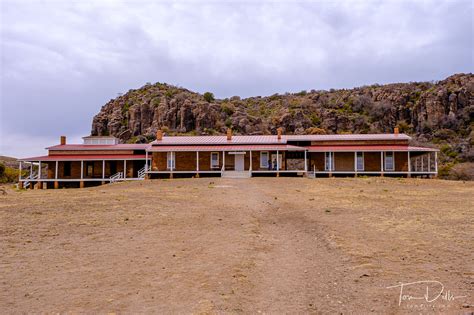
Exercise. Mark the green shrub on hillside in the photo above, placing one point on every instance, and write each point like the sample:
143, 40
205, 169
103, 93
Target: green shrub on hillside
209, 97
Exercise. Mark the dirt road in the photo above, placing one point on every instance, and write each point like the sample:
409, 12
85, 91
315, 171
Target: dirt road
287, 245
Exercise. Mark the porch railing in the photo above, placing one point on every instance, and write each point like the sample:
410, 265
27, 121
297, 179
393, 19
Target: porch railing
30, 178
116, 177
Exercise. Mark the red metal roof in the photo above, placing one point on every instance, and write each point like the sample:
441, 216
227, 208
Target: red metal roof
255, 147
353, 137
86, 157
271, 139
74, 147
362, 148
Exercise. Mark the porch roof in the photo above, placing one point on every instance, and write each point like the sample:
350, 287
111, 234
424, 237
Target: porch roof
368, 148
85, 157
101, 147
255, 147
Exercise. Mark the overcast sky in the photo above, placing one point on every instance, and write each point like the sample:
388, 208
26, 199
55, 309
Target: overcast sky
61, 61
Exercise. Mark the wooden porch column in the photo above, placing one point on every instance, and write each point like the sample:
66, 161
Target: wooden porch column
223, 161
172, 165
197, 164
422, 169
146, 162
436, 163
381, 163
56, 183
355, 163
103, 169
124, 168
278, 164
81, 183
250, 163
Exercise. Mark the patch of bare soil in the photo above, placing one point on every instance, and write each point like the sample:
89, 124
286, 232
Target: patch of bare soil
269, 245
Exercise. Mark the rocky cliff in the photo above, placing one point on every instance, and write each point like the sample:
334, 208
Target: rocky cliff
440, 113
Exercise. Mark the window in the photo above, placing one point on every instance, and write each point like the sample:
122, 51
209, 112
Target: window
67, 168
214, 159
329, 161
89, 168
389, 163
360, 161
264, 159
170, 160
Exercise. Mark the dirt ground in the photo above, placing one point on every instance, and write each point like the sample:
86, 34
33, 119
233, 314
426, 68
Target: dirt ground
259, 245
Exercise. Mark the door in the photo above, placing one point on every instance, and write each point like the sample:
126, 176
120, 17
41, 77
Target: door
239, 162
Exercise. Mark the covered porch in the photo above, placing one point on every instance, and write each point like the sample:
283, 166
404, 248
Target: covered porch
57, 171
373, 160
227, 160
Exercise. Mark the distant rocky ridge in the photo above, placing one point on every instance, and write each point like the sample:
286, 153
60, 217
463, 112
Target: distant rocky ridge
437, 113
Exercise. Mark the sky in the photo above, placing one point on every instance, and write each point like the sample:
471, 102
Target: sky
61, 61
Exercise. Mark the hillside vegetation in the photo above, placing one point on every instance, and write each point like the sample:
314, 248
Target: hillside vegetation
435, 113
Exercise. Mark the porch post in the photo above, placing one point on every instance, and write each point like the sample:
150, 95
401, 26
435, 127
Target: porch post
172, 164
56, 171
355, 163
39, 170
19, 175
278, 164
124, 168
250, 163
82, 169
381, 163
197, 164
146, 161
103, 169
436, 163
223, 161
422, 170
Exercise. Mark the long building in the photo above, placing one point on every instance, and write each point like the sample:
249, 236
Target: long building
101, 160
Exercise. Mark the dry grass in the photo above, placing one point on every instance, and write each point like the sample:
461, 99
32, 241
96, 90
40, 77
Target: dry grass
214, 245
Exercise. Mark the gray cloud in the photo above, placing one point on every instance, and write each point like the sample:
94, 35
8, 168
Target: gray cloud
61, 61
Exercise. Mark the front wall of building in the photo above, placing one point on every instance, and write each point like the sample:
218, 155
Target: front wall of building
372, 161
401, 161
344, 161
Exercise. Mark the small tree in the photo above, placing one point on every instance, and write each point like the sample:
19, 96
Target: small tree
2, 169
209, 97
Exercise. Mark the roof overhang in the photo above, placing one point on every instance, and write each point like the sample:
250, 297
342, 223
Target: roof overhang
368, 148
233, 148
85, 157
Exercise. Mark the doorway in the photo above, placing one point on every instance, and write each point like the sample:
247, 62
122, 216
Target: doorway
239, 162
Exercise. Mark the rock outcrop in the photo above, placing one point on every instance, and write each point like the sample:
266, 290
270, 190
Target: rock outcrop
438, 112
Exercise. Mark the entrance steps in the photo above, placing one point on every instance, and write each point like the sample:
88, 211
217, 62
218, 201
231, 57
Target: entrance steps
236, 174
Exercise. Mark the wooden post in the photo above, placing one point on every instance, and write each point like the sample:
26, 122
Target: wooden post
436, 163
250, 162
223, 161
39, 170
19, 175
124, 168
56, 185
56, 171
82, 170
146, 163
422, 169
355, 163
81, 184
381, 163
103, 169
197, 164
429, 162
278, 164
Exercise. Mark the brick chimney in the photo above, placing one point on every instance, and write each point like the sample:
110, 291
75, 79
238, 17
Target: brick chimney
229, 134
396, 131
159, 135
279, 131
62, 140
